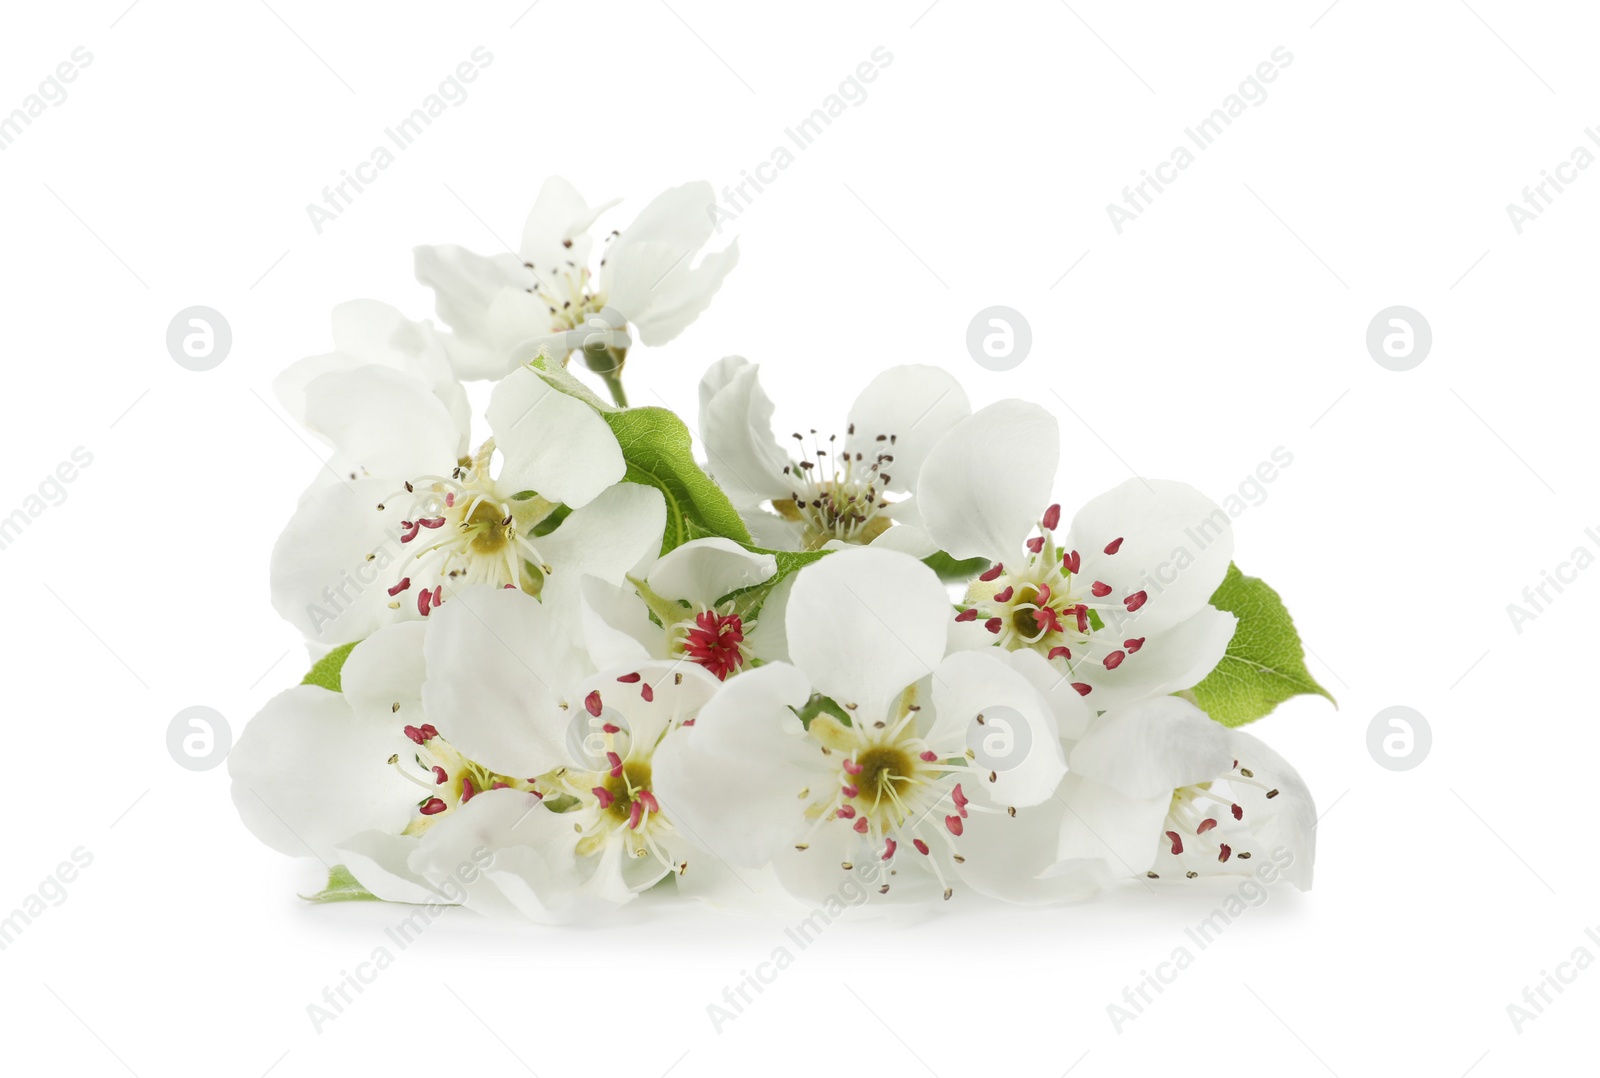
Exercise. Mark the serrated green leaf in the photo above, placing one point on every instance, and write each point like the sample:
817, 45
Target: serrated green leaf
1265, 663
342, 887
325, 672
952, 571
657, 448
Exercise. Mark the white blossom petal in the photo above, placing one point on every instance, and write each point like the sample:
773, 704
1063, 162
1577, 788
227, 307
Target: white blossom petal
915, 405
988, 481
551, 443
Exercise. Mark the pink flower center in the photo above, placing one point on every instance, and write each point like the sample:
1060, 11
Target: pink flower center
715, 642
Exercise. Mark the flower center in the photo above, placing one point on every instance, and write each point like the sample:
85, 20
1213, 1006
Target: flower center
838, 494
461, 529
715, 641
450, 778
1044, 605
565, 291
894, 786
1201, 824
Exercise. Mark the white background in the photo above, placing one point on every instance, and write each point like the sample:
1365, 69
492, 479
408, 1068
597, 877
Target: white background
1228, 320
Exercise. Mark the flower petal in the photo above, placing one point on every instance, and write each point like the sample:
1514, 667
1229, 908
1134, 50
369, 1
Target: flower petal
1152, 747
915, 405
551, 443
702, 571
731, 779
1176, 546
608, 538
1018, 742
736, 432
988, 480
1168, 660
557, 228
383, 422
865, 623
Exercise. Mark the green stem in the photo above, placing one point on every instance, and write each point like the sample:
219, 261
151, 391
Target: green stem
613, 383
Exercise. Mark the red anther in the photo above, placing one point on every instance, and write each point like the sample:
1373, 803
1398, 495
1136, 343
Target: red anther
851, 767
1100, 590
650, 802
993, 573
688, 722
850, 791
1081, 612
611, 728
1135, 601
845, 812
616, 764
440, 775
468, 791
960, 800
424, 601
433, 807
593, 704
635, 814
603, 795
432, 522
861, 826
1004, 596
405, 583
429, 731
1133, 645
647, 692
1071, 562
928, 757
1059, 653
993, 625
1177, 842
438, 595
1114, 660
1114, 546
969, 614
953, 825
1224, 852
714, 643
409, 530
1205, 825
414, 734
629, 679
922, 847
1043, 598
1083, 690
1052, 517
450, 500
888, 848
1048, 619
501, 786
508, 587
1238, 812
1035, 544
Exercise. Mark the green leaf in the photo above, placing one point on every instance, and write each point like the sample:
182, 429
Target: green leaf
659, 453
1265, 663
822, 705
952, 571
656, 446
325, 672
342, 887
749, 600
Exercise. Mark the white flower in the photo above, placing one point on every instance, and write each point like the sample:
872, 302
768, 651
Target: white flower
420, 518
1122, 602
681, 590
824, 488
899, 781
547, 291
507, 687
1158, 788
340, 776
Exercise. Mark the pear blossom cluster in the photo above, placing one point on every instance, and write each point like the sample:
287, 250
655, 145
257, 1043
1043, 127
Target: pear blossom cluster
561, 660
